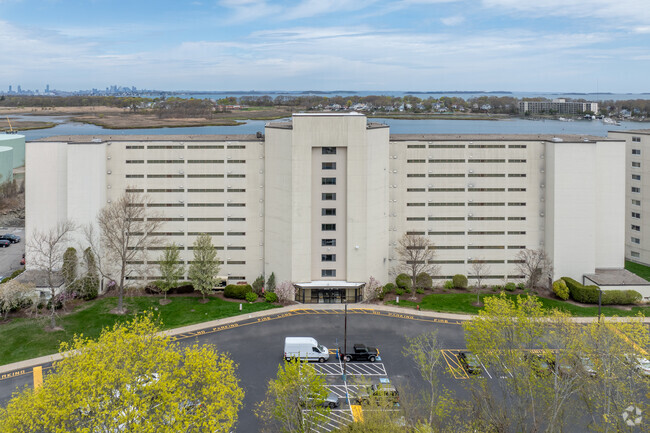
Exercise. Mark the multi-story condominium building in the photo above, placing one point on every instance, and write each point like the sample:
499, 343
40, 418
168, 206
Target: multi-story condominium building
637, 194
322, 200
557, 106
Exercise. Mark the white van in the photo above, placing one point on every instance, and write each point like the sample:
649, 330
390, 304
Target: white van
305, 348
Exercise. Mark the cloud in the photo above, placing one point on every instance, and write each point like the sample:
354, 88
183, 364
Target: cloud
629, 11
453, 21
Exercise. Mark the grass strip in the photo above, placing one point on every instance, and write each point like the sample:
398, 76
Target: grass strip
25, 338
461, 303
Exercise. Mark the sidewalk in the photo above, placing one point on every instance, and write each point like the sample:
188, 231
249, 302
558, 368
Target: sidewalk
30, 363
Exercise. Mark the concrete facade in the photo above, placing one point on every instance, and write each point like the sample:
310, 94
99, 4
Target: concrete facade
6, 164
323, 199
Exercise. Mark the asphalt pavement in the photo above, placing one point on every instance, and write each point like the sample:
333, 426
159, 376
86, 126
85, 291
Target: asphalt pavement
10, 257
256, 344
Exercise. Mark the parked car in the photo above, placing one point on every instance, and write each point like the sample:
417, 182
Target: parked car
588, 366
5, 243
541, 364
14, 239
361, 352
639, 363
331, 401
470, 362
377, 393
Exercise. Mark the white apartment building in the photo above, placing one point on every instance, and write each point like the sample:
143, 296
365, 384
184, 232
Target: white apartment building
558, 106
637, 194
322, 199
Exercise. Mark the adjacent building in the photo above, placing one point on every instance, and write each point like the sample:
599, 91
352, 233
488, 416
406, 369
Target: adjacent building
557, 106
321, 200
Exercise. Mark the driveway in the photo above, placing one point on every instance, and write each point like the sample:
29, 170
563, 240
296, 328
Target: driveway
10, 257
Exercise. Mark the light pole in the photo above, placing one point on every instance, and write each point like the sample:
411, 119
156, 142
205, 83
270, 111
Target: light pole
345, 340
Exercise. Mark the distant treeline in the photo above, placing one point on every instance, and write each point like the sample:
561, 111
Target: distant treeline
180, 107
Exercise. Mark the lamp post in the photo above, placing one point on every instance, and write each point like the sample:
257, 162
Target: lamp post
345, 340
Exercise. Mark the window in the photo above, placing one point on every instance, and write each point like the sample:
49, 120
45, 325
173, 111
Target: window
446, 161
636, 177
414, 204
135, 161
416, 189
205, 204
446, 189
636, 151
446, 146
328, 211
448, 204
236, 176
416, 146
329, 150
486, 189
449, 218
197, 176
236, 146
634, 139
635, 254
516, 160
416, 161
485, 218
415, 219
517, 204
445, 233
165, 190
634, 164
487, 161
165, 147
328, 196
636, 189
205, 161
636, 202
328, 257
415, 175
636, 215
447, 175
516, 189
329, 166
204, 146
165, 176
204, 190
635, 240
486, 175
165, 161
237, 161
517, 175
134, 176
135, 147
516, 146
328, 181
328, 227
328, 273
516, 218
636, 228
486, 204
328, 242
487, 146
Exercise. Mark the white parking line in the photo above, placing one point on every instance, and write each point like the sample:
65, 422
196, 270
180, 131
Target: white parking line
486, 370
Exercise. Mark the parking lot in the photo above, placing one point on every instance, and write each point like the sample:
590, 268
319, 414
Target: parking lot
10, 257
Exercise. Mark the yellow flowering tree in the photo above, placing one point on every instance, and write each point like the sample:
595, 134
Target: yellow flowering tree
130, 379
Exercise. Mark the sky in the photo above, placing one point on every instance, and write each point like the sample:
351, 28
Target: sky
424, 45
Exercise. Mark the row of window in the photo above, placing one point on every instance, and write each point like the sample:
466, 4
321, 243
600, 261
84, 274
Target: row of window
181, 176
463, 189
186, 190
462, 218
468, 204
468, 175
462, 146
462, 160
469, 232
189, 146
181, 204
182, 161
181, 262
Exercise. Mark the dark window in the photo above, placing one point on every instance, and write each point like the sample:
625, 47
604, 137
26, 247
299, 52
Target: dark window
328, 227
328, 242
329, 150
636, 151
328, 181
328, 196
328, 211
329, 166
328, 257
328, 273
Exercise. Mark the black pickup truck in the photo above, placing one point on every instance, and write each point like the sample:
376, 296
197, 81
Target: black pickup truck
361, 352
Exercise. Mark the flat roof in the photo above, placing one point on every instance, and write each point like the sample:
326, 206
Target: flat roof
105, 138
632, 131
329, 285
616, 277
501, 137
10, 136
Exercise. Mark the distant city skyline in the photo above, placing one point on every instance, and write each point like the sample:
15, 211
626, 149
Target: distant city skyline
543, 46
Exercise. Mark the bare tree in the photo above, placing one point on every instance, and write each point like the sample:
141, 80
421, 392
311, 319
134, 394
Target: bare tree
125, 233
534, 265
480, 269
416, 254
45, 250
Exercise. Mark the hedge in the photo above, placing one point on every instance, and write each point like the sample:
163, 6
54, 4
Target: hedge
237, 291
403, 281
589, 294
459, 281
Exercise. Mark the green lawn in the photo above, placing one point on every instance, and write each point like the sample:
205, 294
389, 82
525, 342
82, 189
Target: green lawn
462, 303
25, 339
641, 270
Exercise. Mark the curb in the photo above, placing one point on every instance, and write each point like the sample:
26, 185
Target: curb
29, 363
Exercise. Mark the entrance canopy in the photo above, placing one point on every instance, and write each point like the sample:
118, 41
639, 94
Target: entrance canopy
329, 292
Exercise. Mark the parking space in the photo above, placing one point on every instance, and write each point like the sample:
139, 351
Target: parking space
352, 369
10, 257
